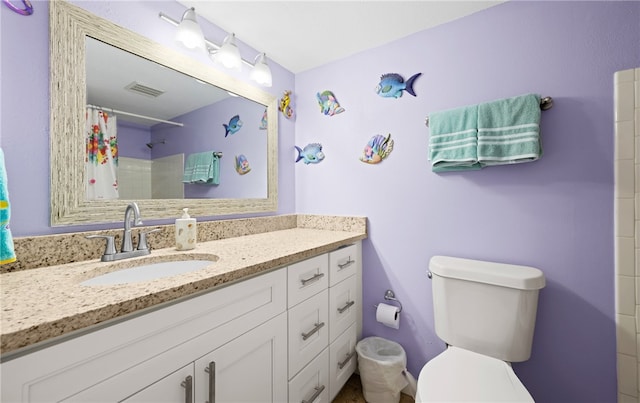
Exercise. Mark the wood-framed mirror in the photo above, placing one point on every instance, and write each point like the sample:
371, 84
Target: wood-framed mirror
70, 29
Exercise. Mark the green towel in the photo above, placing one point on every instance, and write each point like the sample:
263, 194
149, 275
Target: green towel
453, 139
509, 130
7, 253
202, 168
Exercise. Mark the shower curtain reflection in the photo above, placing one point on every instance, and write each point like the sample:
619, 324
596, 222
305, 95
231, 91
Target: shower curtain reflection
101, 158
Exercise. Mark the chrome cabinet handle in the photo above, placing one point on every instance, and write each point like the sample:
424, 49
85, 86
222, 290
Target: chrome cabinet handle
346, 264
346, 360
318, 390
187, 384
317, 327
211, 370
315, 277
346, 306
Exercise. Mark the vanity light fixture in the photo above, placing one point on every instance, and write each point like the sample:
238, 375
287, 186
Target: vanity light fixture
261, 73
227, 54
189, 32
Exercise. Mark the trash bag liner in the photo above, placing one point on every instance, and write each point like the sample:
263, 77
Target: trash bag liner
382, 364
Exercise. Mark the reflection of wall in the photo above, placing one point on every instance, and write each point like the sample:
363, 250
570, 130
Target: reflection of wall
166, 177
132, 140
134, 178
203, 131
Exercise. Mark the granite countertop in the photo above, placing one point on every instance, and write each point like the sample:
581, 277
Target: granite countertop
49, 302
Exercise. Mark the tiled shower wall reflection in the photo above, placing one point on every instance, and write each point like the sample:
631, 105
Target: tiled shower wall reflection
134, 178
160, 178
627, 232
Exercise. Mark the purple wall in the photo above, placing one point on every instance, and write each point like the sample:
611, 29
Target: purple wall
24, 126
555, 214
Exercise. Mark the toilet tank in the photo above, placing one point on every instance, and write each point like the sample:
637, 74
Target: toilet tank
485, 307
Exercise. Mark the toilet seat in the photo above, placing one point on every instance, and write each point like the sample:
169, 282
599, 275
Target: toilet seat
461, 375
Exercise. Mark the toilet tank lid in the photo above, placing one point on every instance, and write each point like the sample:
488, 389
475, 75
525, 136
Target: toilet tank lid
500, 274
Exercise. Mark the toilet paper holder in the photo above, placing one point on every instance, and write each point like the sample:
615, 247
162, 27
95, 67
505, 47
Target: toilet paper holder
390, 296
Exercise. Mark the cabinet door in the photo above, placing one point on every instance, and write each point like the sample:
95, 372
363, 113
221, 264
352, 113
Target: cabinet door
174, 388
250, 368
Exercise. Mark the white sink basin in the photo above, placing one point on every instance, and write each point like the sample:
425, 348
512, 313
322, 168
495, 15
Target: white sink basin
148, 272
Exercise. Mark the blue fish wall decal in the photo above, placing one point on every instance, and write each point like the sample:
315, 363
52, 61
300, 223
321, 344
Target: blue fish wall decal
234, 125
392, 84
310, 154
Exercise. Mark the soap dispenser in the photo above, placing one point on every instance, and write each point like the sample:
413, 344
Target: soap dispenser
185, 231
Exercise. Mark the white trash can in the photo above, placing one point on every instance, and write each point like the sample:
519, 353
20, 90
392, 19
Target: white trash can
383, 370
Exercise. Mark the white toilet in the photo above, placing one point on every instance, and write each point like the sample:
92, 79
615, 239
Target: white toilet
486, 314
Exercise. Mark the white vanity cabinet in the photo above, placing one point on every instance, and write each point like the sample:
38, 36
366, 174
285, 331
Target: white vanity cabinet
325, 322
148, 357
257, 340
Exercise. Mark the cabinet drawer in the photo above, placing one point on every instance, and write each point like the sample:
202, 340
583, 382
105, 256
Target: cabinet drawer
343, 360
311, 385
308, 331
344, 306
307, 278
343, 263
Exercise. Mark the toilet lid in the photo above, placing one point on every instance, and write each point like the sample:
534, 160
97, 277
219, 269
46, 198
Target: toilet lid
462, 375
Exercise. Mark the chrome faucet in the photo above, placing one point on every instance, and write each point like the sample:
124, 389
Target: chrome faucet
126, 250
127, 245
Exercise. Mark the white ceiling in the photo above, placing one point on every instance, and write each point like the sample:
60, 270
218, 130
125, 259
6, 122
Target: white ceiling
300, 35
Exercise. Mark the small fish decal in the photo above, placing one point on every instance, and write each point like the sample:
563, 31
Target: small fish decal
284, 105
263, 121
234, 125
242, 164
392, 84
310, 154
328, 103
377, 149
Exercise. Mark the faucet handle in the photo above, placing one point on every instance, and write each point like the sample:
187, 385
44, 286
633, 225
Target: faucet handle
110, 248
142, 239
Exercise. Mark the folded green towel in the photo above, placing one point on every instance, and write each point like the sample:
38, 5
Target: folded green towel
509, 130
453, 139
202, 168
7, 253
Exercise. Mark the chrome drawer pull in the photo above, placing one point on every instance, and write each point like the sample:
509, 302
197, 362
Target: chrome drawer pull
315, 395
347, 306
315, 277
346, 360
317, 327
187, 384
211, 370
346, 264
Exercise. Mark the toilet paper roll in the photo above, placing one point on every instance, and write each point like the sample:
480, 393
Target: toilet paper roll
388, 315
